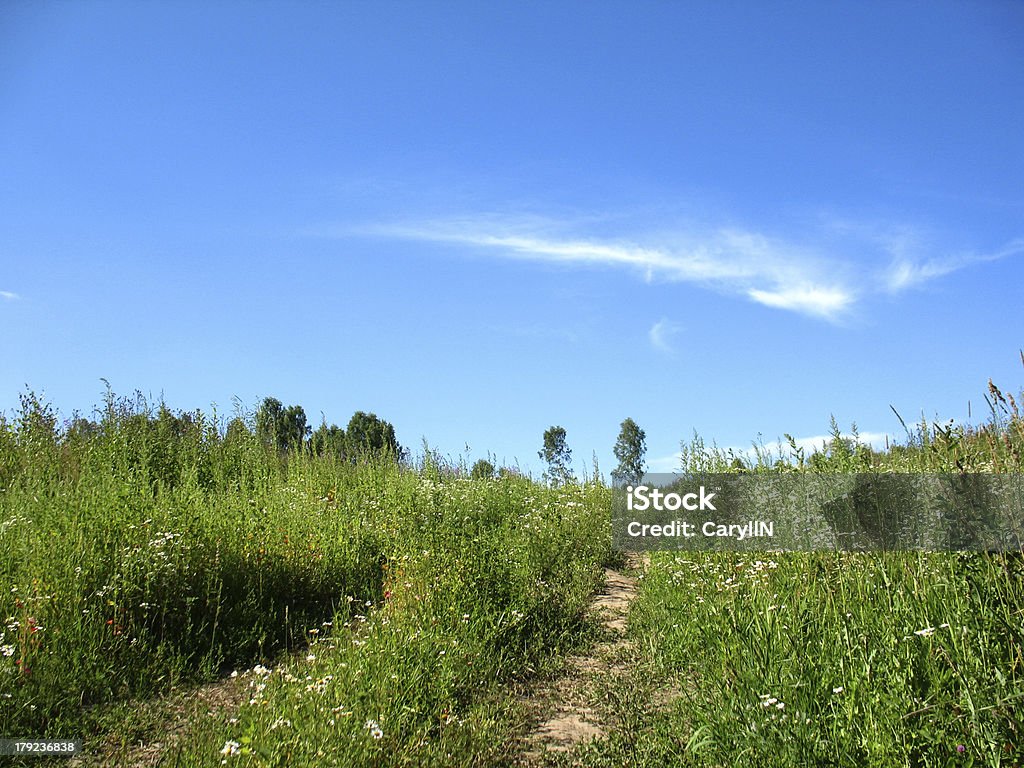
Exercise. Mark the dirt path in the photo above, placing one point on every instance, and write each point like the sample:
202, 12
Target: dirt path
151, 729
574, 709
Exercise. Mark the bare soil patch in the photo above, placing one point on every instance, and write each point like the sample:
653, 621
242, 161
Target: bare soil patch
577, 707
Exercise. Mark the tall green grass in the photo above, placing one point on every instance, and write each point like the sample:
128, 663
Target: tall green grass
839, 659
151, 548
376, 612
846, 659
486, 579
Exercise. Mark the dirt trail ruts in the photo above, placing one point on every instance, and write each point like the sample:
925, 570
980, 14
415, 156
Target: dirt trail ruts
146, 739
569, 708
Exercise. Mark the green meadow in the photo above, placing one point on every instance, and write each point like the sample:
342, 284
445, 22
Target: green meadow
366, 609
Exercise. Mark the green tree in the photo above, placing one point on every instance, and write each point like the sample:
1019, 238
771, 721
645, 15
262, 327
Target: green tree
369, 434
482, 470
557, 456
630, 449
328, 441
237, 431
82, 430
281, 427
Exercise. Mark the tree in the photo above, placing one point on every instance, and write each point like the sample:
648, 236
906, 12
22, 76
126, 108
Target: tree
82, 430
557, 455
237, 431
268, 416
368, 434
328, 441
482, 470
281, 427
630, 449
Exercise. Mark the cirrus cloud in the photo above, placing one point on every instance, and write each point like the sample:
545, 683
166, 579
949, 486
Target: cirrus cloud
815, 275
767, 271
661, 335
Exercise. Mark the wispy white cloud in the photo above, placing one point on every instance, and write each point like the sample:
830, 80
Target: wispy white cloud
847, 261
911, 256
907, 272
662, 333
808, 299
770, 272
9, 296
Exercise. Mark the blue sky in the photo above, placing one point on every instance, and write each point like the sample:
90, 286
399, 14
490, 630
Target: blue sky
482, 219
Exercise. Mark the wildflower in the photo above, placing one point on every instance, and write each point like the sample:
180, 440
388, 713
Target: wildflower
231, 748
926, 632
960, 749
7, 650
838, 689
374, 728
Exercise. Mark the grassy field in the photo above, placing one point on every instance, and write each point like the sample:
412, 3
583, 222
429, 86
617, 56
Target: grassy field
846, 659
375, 613
829, 660
136, 559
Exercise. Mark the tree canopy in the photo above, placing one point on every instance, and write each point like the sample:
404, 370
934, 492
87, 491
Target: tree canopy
369, 434
558, 456
280, 427
630, 449
482, 470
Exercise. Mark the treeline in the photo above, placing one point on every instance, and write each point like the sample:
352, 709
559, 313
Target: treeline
151, 444
996, 445
286, 429
163, 447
